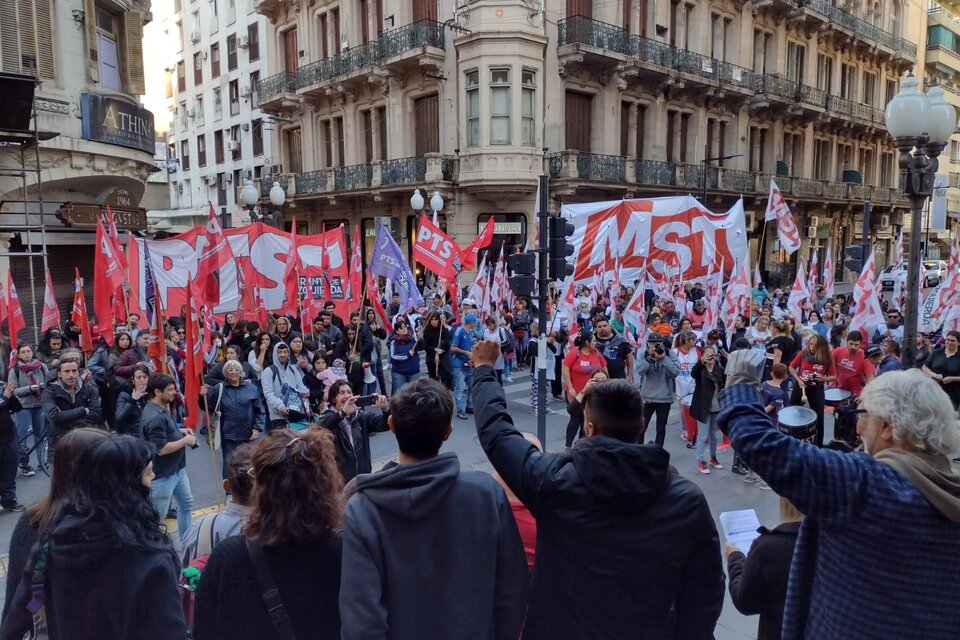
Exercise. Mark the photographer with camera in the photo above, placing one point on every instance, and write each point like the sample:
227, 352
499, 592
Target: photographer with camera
351, 427
658, 370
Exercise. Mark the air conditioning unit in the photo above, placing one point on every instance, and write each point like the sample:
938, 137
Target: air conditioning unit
245, 127
812, 231
194, 37
243, 42
814, 221
232, 146
245, 91
210, 180
884, 221
180, 187
191, 113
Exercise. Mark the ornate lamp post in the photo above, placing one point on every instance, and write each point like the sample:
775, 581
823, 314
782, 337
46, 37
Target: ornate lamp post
920, 125
249, 197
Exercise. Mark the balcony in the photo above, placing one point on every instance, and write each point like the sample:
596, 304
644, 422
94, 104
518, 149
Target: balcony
417, 44
355, 176
266, 183
652, 172
737, 181
650, 59
277, 92
583, 40
777, 8
310, 182
601, 168
403, 171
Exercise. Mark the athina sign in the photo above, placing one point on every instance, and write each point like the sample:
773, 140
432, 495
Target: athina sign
668, 236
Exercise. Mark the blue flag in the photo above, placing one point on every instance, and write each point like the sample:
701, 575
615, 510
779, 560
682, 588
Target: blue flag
389, 262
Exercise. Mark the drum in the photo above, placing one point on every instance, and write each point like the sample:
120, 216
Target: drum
688, 422
799, 422
835, 397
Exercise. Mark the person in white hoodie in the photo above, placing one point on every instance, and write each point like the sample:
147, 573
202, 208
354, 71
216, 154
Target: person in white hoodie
283, 389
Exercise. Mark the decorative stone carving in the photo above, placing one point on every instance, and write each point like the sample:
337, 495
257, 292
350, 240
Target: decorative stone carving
52, 105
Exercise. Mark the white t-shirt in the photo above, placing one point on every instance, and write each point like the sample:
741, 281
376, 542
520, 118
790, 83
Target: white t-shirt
685, 382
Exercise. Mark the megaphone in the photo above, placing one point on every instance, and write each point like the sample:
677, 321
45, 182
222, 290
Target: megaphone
368, 377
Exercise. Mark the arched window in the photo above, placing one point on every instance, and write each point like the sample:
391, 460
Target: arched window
876, 16
895, 18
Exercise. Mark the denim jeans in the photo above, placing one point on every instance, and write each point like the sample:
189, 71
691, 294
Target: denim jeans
24, 420
174, 487
397, 380
461, 390
707, 431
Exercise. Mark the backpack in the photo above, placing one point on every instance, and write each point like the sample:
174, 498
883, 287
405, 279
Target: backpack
506, 343
191, 574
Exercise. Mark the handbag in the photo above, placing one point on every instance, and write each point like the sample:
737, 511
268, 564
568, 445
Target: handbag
215, 421
271, 595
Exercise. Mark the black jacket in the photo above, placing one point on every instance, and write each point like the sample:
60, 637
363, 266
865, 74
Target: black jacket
94, 590
8, 430
475, 579
758, 582
126, 414
626, 548
705, 390
64, 413
354, 459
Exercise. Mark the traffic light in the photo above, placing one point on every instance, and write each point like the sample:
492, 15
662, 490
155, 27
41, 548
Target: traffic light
560, 248
523, 280
853, 257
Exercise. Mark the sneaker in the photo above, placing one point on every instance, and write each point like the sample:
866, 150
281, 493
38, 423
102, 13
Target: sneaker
461, 415
740, 470
507, 379
12, 506
764, 486
557, 397
683, 436
751, 477
702, 467
171, 514
691, 445
715, 463
550, 411
27, 471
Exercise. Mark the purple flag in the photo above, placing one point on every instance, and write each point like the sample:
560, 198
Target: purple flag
388, 261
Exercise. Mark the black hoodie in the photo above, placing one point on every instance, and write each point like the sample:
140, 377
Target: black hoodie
94, 589
626, 547
431, 552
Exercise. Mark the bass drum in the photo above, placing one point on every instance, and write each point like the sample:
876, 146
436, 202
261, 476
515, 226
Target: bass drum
799, 422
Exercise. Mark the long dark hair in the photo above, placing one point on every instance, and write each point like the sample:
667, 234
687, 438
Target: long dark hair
110, 495
46, 511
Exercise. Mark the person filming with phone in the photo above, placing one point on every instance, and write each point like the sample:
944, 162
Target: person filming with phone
351, 427
658, 370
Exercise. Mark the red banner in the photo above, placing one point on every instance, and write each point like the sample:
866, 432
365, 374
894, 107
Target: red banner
79, 316
437, 251
373, 293
482, 241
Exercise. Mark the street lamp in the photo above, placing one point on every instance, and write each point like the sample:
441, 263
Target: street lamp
249, 196
417, 203
703, 173
416, 200
920, 125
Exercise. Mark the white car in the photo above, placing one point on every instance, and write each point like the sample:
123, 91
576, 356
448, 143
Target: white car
887, 276
933, 273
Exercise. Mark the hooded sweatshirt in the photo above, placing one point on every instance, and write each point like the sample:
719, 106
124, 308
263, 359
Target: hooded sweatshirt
281, 385
96, 589
431, 552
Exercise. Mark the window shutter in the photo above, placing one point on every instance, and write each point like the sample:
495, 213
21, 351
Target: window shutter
133, 54
93, 54
28, 38
45, 60
9, 37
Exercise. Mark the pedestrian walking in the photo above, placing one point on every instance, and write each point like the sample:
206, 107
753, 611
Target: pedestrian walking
29, 376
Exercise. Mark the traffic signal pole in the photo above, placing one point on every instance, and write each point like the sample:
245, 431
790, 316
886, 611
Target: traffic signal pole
543, 282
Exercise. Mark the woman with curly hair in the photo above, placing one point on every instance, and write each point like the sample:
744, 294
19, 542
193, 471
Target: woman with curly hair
293, 532
106, 568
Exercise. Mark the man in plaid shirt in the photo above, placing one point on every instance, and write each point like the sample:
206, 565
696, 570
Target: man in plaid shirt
879, 551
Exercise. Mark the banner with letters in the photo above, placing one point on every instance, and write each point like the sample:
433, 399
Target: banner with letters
260, 253
667, 235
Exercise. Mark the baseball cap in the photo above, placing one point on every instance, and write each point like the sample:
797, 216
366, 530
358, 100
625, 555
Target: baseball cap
470, 301
873, 351
471, 318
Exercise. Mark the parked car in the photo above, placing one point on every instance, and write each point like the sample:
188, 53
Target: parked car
933, 273
888, 275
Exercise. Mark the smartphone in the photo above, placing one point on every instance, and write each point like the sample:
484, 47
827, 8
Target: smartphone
365, 401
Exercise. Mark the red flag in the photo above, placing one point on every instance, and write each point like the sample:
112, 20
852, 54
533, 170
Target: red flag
867, 312
482, 241
215, 253
437, 251
194, 365
355, 286
157, 347
374, 295
115, 238
779, 210
108, 275
79, 316
263, 316
291, 276
14, 313
248, 301
455, 298
51, 313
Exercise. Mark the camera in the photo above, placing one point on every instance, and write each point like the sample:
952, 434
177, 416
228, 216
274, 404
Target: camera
659, 350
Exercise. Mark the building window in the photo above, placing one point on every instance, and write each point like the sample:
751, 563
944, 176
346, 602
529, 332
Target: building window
758, 144
824, 72
473, 108
215, 60
218, 146
844, 159
253, 42
528, 108
197, 68
185, 155
198, 110
235, 142
821, 159
848, 82
234, 97
202, 150
231, 52
217, 104
27, 37
870, 89
886, 170
254, 87
108, 53
181, 77
182, 110
793, 150
866, 165
294, 146
795, 61
256, 135
500, 106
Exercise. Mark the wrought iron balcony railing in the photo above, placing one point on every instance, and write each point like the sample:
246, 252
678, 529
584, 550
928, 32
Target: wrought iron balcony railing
403, 170
312, 182
584, 30
556, 165
653, 172
424, 33
354, 176
595, 166
271, 87
266, 183
653, 51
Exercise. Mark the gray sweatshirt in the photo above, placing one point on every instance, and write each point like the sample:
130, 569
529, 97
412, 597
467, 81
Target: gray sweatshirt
658, 377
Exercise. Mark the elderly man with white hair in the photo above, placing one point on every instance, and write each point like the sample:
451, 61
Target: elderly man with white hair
237, 400
879, 551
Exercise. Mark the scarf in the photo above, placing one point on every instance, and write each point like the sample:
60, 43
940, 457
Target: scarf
931, 475
31, 368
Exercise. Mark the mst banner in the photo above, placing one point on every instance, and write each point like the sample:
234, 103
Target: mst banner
667, 235
260, 251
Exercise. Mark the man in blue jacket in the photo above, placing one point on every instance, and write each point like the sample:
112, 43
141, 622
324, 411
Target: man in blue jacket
430, 551
241, 412
879, 550
626, 547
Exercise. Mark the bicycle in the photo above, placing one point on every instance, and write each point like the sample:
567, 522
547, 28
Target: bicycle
42, 448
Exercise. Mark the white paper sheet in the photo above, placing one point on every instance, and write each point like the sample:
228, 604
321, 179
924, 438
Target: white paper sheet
740, 528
